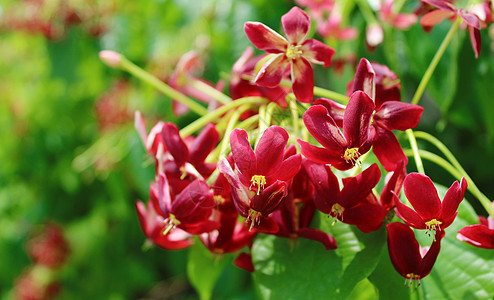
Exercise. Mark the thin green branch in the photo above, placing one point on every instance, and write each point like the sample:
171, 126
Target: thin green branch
415, 148
330, 95
472, 187
435, 61
209, 90
437, 160
133, 69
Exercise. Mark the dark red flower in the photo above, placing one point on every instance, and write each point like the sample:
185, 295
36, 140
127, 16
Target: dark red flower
480, 235
262, 167
410, 259
190, 210
153, 225
242, 87
347, 204
296, 51
429, 212
342, 151
49, 247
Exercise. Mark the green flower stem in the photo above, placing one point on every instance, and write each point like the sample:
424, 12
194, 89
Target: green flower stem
262, 123
133, 69
415, 148
330, 95
367, 12
209, 90
248, 122
214, 115
295, 118
226, 138
435, 60
437, 160
472, 187
269, 113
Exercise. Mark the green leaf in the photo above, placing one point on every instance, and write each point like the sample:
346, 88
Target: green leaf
204, 269
312, 272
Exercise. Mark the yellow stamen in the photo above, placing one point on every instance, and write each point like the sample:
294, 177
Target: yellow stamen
171, 222
351, 155
254, 216
258, 180
411, 278
293, 51
432, 226
336, 211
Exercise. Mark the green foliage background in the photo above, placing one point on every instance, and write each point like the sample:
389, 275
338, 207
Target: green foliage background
51, 144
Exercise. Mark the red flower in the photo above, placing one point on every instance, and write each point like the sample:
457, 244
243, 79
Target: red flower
295, 51
49, 247
347, 204
267, 164
401, 21
342, 151
429, 212
153, 225
409, 259
447, 10
480, 235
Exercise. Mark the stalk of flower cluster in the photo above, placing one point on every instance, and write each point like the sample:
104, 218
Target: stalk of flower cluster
471, 185
214, 115
415, 148
117, 60
295, 118
209, 90
262, 123
318, 91
435, 159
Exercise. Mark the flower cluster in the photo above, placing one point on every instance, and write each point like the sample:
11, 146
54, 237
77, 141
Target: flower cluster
247, 173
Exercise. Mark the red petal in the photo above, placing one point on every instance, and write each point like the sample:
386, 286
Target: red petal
205, 142
270, 150
289, 167
194, 204
240, 196
408, 215
403, 248
430, 257
174, 143
451, 201
319, 236
471, 19
404, 21
475, 37
244, 261
164, 198
296, 24
422, 194
387, 149
398, 115
325, 183
435, 17
265, 38
393, 184
335, 110
355, 189
324, 129
356, 120
366, 216
477, 235
270, 198
365, 78
441, 4
323, 156
243, 155
318, 52
272, 71
302, 80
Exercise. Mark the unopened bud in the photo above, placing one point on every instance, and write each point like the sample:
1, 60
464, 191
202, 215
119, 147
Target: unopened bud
111, 58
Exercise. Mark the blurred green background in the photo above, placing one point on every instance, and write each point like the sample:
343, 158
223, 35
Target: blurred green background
69, 152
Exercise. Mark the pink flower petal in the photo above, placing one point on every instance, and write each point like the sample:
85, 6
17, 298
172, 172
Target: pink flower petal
404, 21
475, 37
272, 71
317, 52
265, 38
435, 17
296, 24
303, 80
441, 4
422, 194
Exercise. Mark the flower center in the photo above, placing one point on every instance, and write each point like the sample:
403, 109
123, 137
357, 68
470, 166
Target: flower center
293, 51
171, 222
412, 278
254, 216
432, 226
351, 155
336, 212
258, 180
